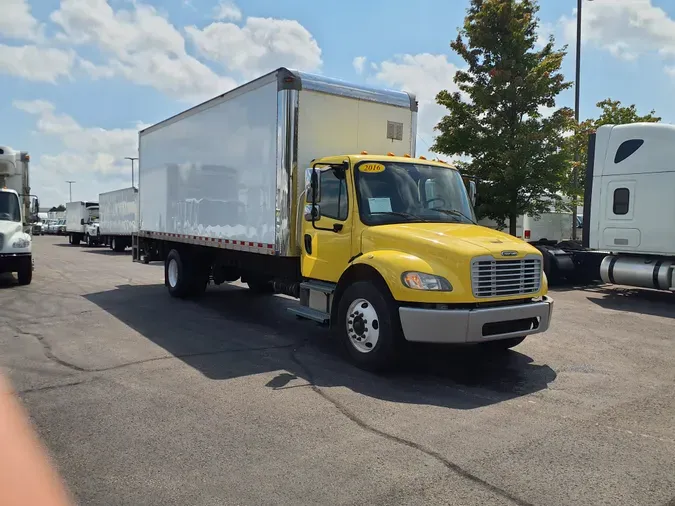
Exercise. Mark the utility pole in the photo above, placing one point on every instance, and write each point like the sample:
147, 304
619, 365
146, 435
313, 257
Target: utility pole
132, 158
70, 188
575, 171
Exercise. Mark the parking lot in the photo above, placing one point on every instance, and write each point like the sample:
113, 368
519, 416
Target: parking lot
143, 399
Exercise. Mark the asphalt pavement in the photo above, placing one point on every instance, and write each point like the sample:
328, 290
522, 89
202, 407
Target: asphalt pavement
146, 400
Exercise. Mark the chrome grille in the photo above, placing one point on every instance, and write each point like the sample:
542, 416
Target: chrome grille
498, 278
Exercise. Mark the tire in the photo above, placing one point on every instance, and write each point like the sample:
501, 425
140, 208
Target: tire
378, 323
75, 240
502, 345
25, 273
181, 278
117, 245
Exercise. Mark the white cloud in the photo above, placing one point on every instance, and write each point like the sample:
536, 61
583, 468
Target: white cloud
227, 11
142, 46
359, 63
425, 75
625, 28
93, 157
17, 22
259, 46
36, 63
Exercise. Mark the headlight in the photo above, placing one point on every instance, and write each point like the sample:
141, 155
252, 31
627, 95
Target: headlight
422, 281
21, 243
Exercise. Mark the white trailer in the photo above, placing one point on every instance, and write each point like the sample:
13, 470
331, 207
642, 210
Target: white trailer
15, 214
119, 217
80, 215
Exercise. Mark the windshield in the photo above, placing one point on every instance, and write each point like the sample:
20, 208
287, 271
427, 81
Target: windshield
9, 207
396, 192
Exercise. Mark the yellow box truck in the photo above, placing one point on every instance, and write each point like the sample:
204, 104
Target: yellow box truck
308, 186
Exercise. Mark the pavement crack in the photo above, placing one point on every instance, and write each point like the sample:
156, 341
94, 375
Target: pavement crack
47, 350
455, 468
51, 387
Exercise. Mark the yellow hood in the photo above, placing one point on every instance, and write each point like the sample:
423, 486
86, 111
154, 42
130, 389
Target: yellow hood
455, 239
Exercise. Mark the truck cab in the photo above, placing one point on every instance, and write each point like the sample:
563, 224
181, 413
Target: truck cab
395, 240
15, 209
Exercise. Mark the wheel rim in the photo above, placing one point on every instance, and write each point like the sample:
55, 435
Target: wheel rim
173, 273
363, 326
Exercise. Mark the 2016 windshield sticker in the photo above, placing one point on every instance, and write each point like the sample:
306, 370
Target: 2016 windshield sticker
371, 168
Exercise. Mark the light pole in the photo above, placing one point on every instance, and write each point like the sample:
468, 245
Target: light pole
132, 158
70, 189
575, 173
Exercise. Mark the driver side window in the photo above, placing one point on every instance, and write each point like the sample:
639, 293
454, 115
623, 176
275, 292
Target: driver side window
333, 196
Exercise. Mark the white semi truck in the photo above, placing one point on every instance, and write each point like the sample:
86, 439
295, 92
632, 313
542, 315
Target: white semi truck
309, 187
118, 220
629, 208
82, 222
15, 214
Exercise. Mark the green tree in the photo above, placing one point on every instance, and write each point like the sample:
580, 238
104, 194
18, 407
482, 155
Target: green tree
58, 208
495, 118
611, 113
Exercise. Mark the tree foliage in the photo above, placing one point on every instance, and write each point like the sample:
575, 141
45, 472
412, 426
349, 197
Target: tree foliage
58, 208
611, 113
495, 118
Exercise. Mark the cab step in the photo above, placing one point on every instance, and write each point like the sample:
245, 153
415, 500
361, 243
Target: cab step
318, 286
310, 314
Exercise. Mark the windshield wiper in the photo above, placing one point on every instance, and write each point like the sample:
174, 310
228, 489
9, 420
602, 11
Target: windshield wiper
455, 212
405, 215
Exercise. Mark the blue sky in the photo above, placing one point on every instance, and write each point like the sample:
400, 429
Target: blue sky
81, 76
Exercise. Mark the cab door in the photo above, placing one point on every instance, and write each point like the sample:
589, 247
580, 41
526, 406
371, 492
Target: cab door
326, 242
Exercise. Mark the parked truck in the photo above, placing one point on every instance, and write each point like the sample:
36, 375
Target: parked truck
309, 187
82, 222
16, 209
118, 220
628, 206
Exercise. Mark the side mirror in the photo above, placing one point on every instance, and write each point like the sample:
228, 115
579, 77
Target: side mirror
82, 221
312, 212
472, 192
313, 185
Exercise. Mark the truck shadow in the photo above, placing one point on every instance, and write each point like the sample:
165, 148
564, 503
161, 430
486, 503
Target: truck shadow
634, 300
106, 251
231, 332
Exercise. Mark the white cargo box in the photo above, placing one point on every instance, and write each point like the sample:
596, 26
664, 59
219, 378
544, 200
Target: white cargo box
78, 211
118, 212
228, 173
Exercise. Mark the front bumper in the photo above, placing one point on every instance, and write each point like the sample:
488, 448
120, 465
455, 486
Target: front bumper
457, 326
13, 262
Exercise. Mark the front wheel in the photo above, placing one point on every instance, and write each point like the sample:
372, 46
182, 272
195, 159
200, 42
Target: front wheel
369, 327
25, 273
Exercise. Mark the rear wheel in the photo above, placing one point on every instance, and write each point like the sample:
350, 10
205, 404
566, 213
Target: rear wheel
117, 245
182, 278
369, 327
